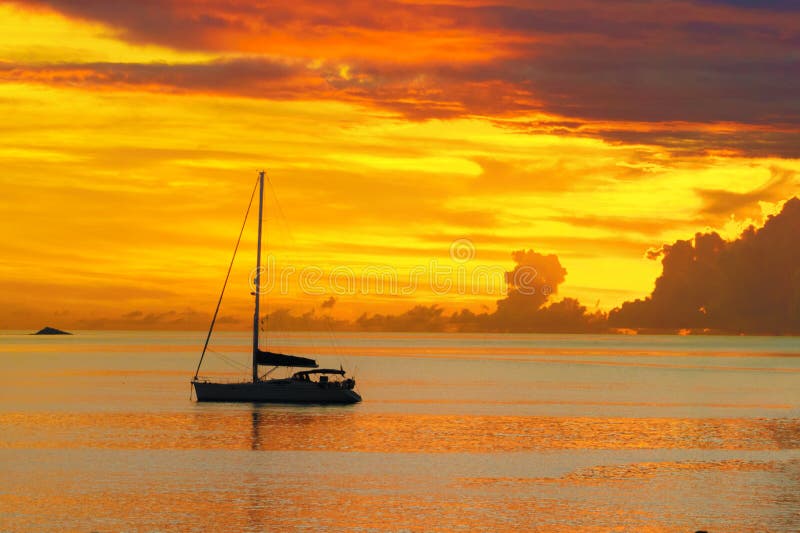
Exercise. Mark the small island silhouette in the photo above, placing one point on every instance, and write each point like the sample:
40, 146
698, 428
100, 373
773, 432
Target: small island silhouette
51, 331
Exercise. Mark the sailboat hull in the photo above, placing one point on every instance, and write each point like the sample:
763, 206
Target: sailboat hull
273, 391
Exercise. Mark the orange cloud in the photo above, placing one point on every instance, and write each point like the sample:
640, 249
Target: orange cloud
600, 68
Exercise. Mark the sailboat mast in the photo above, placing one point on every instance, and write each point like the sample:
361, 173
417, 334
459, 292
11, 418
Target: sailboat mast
258, 274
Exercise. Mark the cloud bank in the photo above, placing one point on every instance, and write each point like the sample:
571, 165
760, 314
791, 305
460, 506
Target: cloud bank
750, 285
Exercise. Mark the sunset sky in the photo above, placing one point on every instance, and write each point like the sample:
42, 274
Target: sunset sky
132, 132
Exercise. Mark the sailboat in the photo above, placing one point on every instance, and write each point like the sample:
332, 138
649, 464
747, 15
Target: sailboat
318, 386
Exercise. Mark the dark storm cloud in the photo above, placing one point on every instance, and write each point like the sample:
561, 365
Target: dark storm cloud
194, 24
613, 63
531, 283
768, 5
750, 285
581, 85
149, 21
240, 76
680, 141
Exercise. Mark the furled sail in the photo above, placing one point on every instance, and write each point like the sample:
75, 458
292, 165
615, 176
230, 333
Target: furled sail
279, 359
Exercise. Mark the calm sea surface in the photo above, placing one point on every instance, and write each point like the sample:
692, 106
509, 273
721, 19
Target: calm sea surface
456, 432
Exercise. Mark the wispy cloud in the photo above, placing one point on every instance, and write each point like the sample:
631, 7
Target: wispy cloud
721, 203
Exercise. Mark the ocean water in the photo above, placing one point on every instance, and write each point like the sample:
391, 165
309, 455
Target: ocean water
456, 433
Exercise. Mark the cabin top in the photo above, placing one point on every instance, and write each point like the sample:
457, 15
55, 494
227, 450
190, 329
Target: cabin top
319, 371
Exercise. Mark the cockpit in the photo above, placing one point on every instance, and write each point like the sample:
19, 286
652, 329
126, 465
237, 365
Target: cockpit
326, 378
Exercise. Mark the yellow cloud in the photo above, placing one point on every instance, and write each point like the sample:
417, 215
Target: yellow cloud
127, 200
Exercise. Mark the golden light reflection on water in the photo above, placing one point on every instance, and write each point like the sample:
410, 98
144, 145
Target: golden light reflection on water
604, 474
350, 431
258, 505
250, 494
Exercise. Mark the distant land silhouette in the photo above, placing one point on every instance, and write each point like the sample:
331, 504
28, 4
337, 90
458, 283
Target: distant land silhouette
47, 330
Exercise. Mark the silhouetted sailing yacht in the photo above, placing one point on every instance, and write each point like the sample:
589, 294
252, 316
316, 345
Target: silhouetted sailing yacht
321, 385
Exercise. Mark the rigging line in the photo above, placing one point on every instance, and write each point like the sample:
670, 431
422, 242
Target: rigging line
331, 336
283, 223
282, 218
225, 284
283, 226
233, 363
335, 345
228, 358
